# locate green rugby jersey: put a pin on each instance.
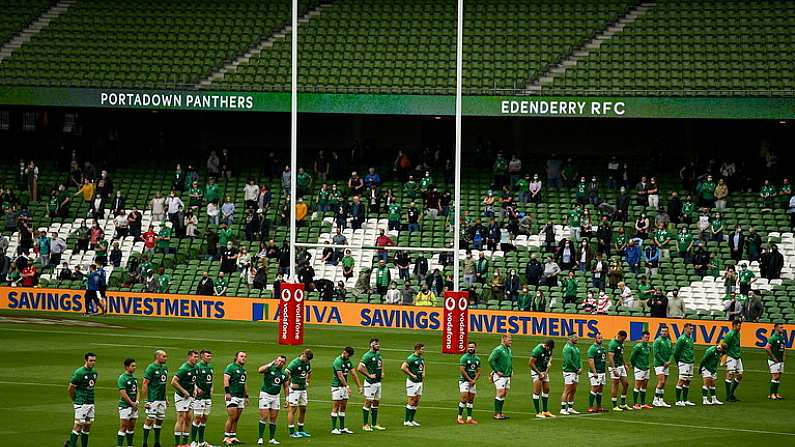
(501, 360)
(732, 341)
(128, 383)
(299, 371)
(471, 364)
(374, 364)
(157, 375)
(777, 347)
(639, 358)
(710, 360)
(598, 353)
(416, 364)
(273, 380)
(663, 351)
(617, 348)
(84, 379)
(237, 379)
(683, 350)
(205, 373)
(542, 355)
(340, 365)
(571, 358)
(186, 374)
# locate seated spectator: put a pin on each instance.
(676, 305)
(339, 292)
(525, 300)
(425, 297)
(393, 295)
(625, 297)
(539, 302)
(408, 293)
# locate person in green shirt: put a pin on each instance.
(572, 365)
(768, 195)
(639, 359)
(501, 362)
(716, 228)
(709, 373)
(525, 301)
(205, 374)
(688, 210)
(426, 183)
(581, 192)
(303, 182)
(469, 374)
(775, 349)
(394, 212)
(81, 393)
(661, 237)
(617, 367)
(784, 194)
(195, 194)
(371, 366)
(383, 277)
(341, 390)
(685, 360)
(127, 384)
(163, 280)
(572, 219)
(164, 238)
(746, 278)
(540, 358)
(414, 369)
(734, 360)
(300, 370)
(212, 193)
(707, 192)
(410, 188)
(220, 285)
(663, 356)
(184, 384)
(645, 292)
(570, 289)
(275, 379)
(597, 361)
(523, 188)
(684, 242)
(154, 391)
(235, 396)
(225, 235)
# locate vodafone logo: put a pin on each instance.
(449, 303)
(463, 303)
(299, 295)
(285, 295)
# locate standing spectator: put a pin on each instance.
(716, 228)
(393, 295)
(615, 273)
(706, 192)
(250, 193)
(566, 255)
(121, 225)
(303, 182)
(675, 208)
(403, 262)
(732, 307)
(622, 205)
(642, 226)
(633, 254)
(730, 279)
(497, 285)
(383, 241)
(355, 184)
(382, 277)
(321, 167)
(195, 196)
(134, 222)
(581, 192)
(425, 297)
(347, 265)
(775, 263)
(754, 244)
(701, 260)
(433, 204)
(525, 301)
(572, 219)
(753, 308)
(593, 192)
(539, 302)
(57, 247)
(372, 178)
(653, 193)
(44, 247)
(598, 269)
(420, 268)
(228, 211)
(569, 173)
(737, 243)
(221, 285)
(357, 213)
(164, 238)
(213, 165)
(651, 259)
(394, 213)
(768, 195)
(115, 255)
(149, 238)
(523, 188)
(413, 216)
(658, 304)
(612, 172)
(584, 256)
(535, 190)
(553, 171)
(534, 271)
(32, 174)
(179, 179)
(191, 224)
(625, 297)
(569, 286)
(481, 268)
(117, 205)
(549, 236)
(512, 284)
(158, 207)
(408, 293)
(212, 192)
(205, 286)
(213, 213)
(676, 306)
(641, 192)
(551, 272)
(721, 194)
(604, 237)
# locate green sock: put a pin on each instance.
(469, 410)
(563, 406)
(591, 399)
(120, 439)
(623, 399)
(635, 393)
(545, 402)
(300, 428)
(413, 413)
(704, 391)
(157, 434)
(728, 385)
(407, 414)
(333, 421)
(177, 438)
(735, 384)
(678, 394)
(201, 432)
(498, 404)
(341, 419)
(462, 405)
(291, 429)
(185, 438)
(614, 400)
(130, 436)
(537, 403)
(713, 391)
(73, 439)
(84, 439)
(599, 400)
(272, 430)
(261, 429)
(685, 390)
(374, 415)
(146, 433)
(643, 397)
(194, 430)
(365, 415)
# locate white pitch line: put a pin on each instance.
(131, 346)
(703, 427)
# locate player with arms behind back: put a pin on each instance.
(203, 404)
(341, 390)
(685, 360)
(235, 395)
(775, 348)
(572, 366)
(81, 393)
(663, 356)
(371, 366)
(618, 371)
(154, 390)
(469, 369)
(184, 384)
(501, 362)
(540, 358)
(639, 358)
(128, 403)
(597, 357)
(414, 369)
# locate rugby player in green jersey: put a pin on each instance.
(184, 384)
(639, 359)
(501, 362)
(685, 361)
(572, 366)
(775, 348)
(663, 356)
(341, 390)
(154, 391)
(203, 404)
(81, 393)
(275, 379)
(734, 360)
(709, 373)
(597, 361)
(300, 370)
(371, 366)
(540, 360)
(235, 396)
(414, 369)
(469, 369)
(617, 367)
(127, 385)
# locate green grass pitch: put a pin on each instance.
(40, 351)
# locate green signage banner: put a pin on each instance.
(388, 104)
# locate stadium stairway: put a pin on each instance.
(559, 69)
(257, 48)
(41, 22)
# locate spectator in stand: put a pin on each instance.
(732, 307)
(572, 219)
(569, 173)
(264, 197)
(497, 285)
(525, 301)
(633, 254)
(301, 212)
(373, 200)
(420, 268)
(303, 183)
(642, 226)
(488, 204)
(602, 304)
(468, 269)
(593, 192)
(212, 192)
(250, 193)
(340, 294)
(213, 213)
(328, 256)
(598, 268)
(408, 293)
(433, 204)
(403, 262)
(512, 284)
(653, 193)
(625, 297)
(355, 184)
(716, 228)
(205, 286)
(425, 297)
(658, 304)
(721, 194)
(551, 272)
(174, 207)
(228, 211)
(737, 243)
(164, 238)
(194, 196)
(357, 213)
(753, 244)
(481, 268)
(730, 279)
(383, 241)
(382, 277)
(411, 189)
(553, 169)
(539, 302)
(775, 263)
(221, 285)
(347, 265)
(393, 295)
(157, 206)
(523, 189)
(641, 192)
(413, 216)
(306, 275)
(191, 223)
(569, 286)
(115, 255)
(567, 256)
(584, 256)
(549, 236)
(612, 172)
(701, 260)
(87, 190)
(604, 237)
(586, 224)
(534, 271)
(149, 238)
(706, 192)
(651, 259)
(768, 195)
(753, 308)
(676, 306)
(321, 167)
(535, 190)
(372, 178)
(581, 192)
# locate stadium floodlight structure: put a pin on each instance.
(457, 178)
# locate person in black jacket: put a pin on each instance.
(402, 262)
(737, 243)
(533, 271)
(675, 208)
(775, 263)
(420, 268)
(701, 260)
(622, 205)
(604, 237)
(512, 285)
(357, 213)
(206, 286)
(658, 304)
